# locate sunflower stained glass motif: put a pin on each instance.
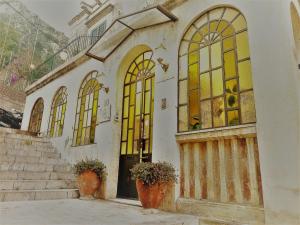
(36, 116)
(87, 109)
(57, 115)
(215, 77)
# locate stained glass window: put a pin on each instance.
(215, 77)
(57, 115)
(36, 116)
(87, 109)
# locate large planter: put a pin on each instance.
(88, 183)
(151, 196)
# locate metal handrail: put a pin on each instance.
(63, 55)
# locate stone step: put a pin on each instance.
(30, 159)
(35, 167)
(29, 152)
(19, 147)
(29, 175)
(27, 195)
(36, 184)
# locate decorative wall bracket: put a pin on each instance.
(164, 66)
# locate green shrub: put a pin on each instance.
(94, 165)
(151, 173)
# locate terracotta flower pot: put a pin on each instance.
(88, 183)
(151, 196)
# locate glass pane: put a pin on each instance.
(183, 68)
(135, 148)
(242, 45)
(229, 31)
(148, 84)
(239, 23)
(245, 75)
(183, 92)
(219, 112)
(124, 130)
(197, 37)
(230, 14)
(216, 56)
(233, 118)
(231, 93)
(132, 93)
(229, 64)
(137, 128)
(206, 121)
(147, 102)
(228, 43)
(130, 141)
(193, 57)
(194, 107)
(125, 109)
(248, 107)
(183, 119)
(204, 59)
(193, 47)
(126, 90)
(146, 126)
(193, 77)
(204, 86)
(123, 148)
(138, 104)
(131, 116)
(138, 86)
(217, 82)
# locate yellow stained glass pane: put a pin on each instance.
(229, 64)
(125, 109)
(213, 26)
(239, 23)
(193, 57)
(148, 84)
(222, 25)
(219, 112)
(123, 148)
(139, 59)
(204, 59)
(131, 116)
(138, 104)
(183, 119)
(147, 102)
(204, 86)
(193, 47)
(216, 55)
(124, 130)
(126, 90)
(193, 77)
(130, 142)
(183, 92)
(132, 93)
(146, 126)
(245, 75)
(137, 128)
(217, 82)
(204, 30)
(82, 141)
(135, 148)
(242, 45)
(190, 32)
(206, 120)
(233, 118)
(197, 37)
(231, 93)
(194, 107)
(229, 31)
(132, 67)
(141, 65)
(228, 43)
(248, 107)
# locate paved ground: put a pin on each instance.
(83, 212)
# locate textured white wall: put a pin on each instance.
(276, 84)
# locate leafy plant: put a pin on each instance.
(151, 173)
(93, 165)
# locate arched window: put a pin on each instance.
(295, 24)
(36, 116)
(57, 115)
(86, 113)
(215, 78)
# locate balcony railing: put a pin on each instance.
(63, 55)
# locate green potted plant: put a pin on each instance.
(90, 174)
(152, 180)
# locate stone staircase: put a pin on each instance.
(31, 169)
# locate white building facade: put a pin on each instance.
(209, 86)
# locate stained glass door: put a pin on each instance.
(137, 120)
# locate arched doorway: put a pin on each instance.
(137, 120)
(36, 116)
